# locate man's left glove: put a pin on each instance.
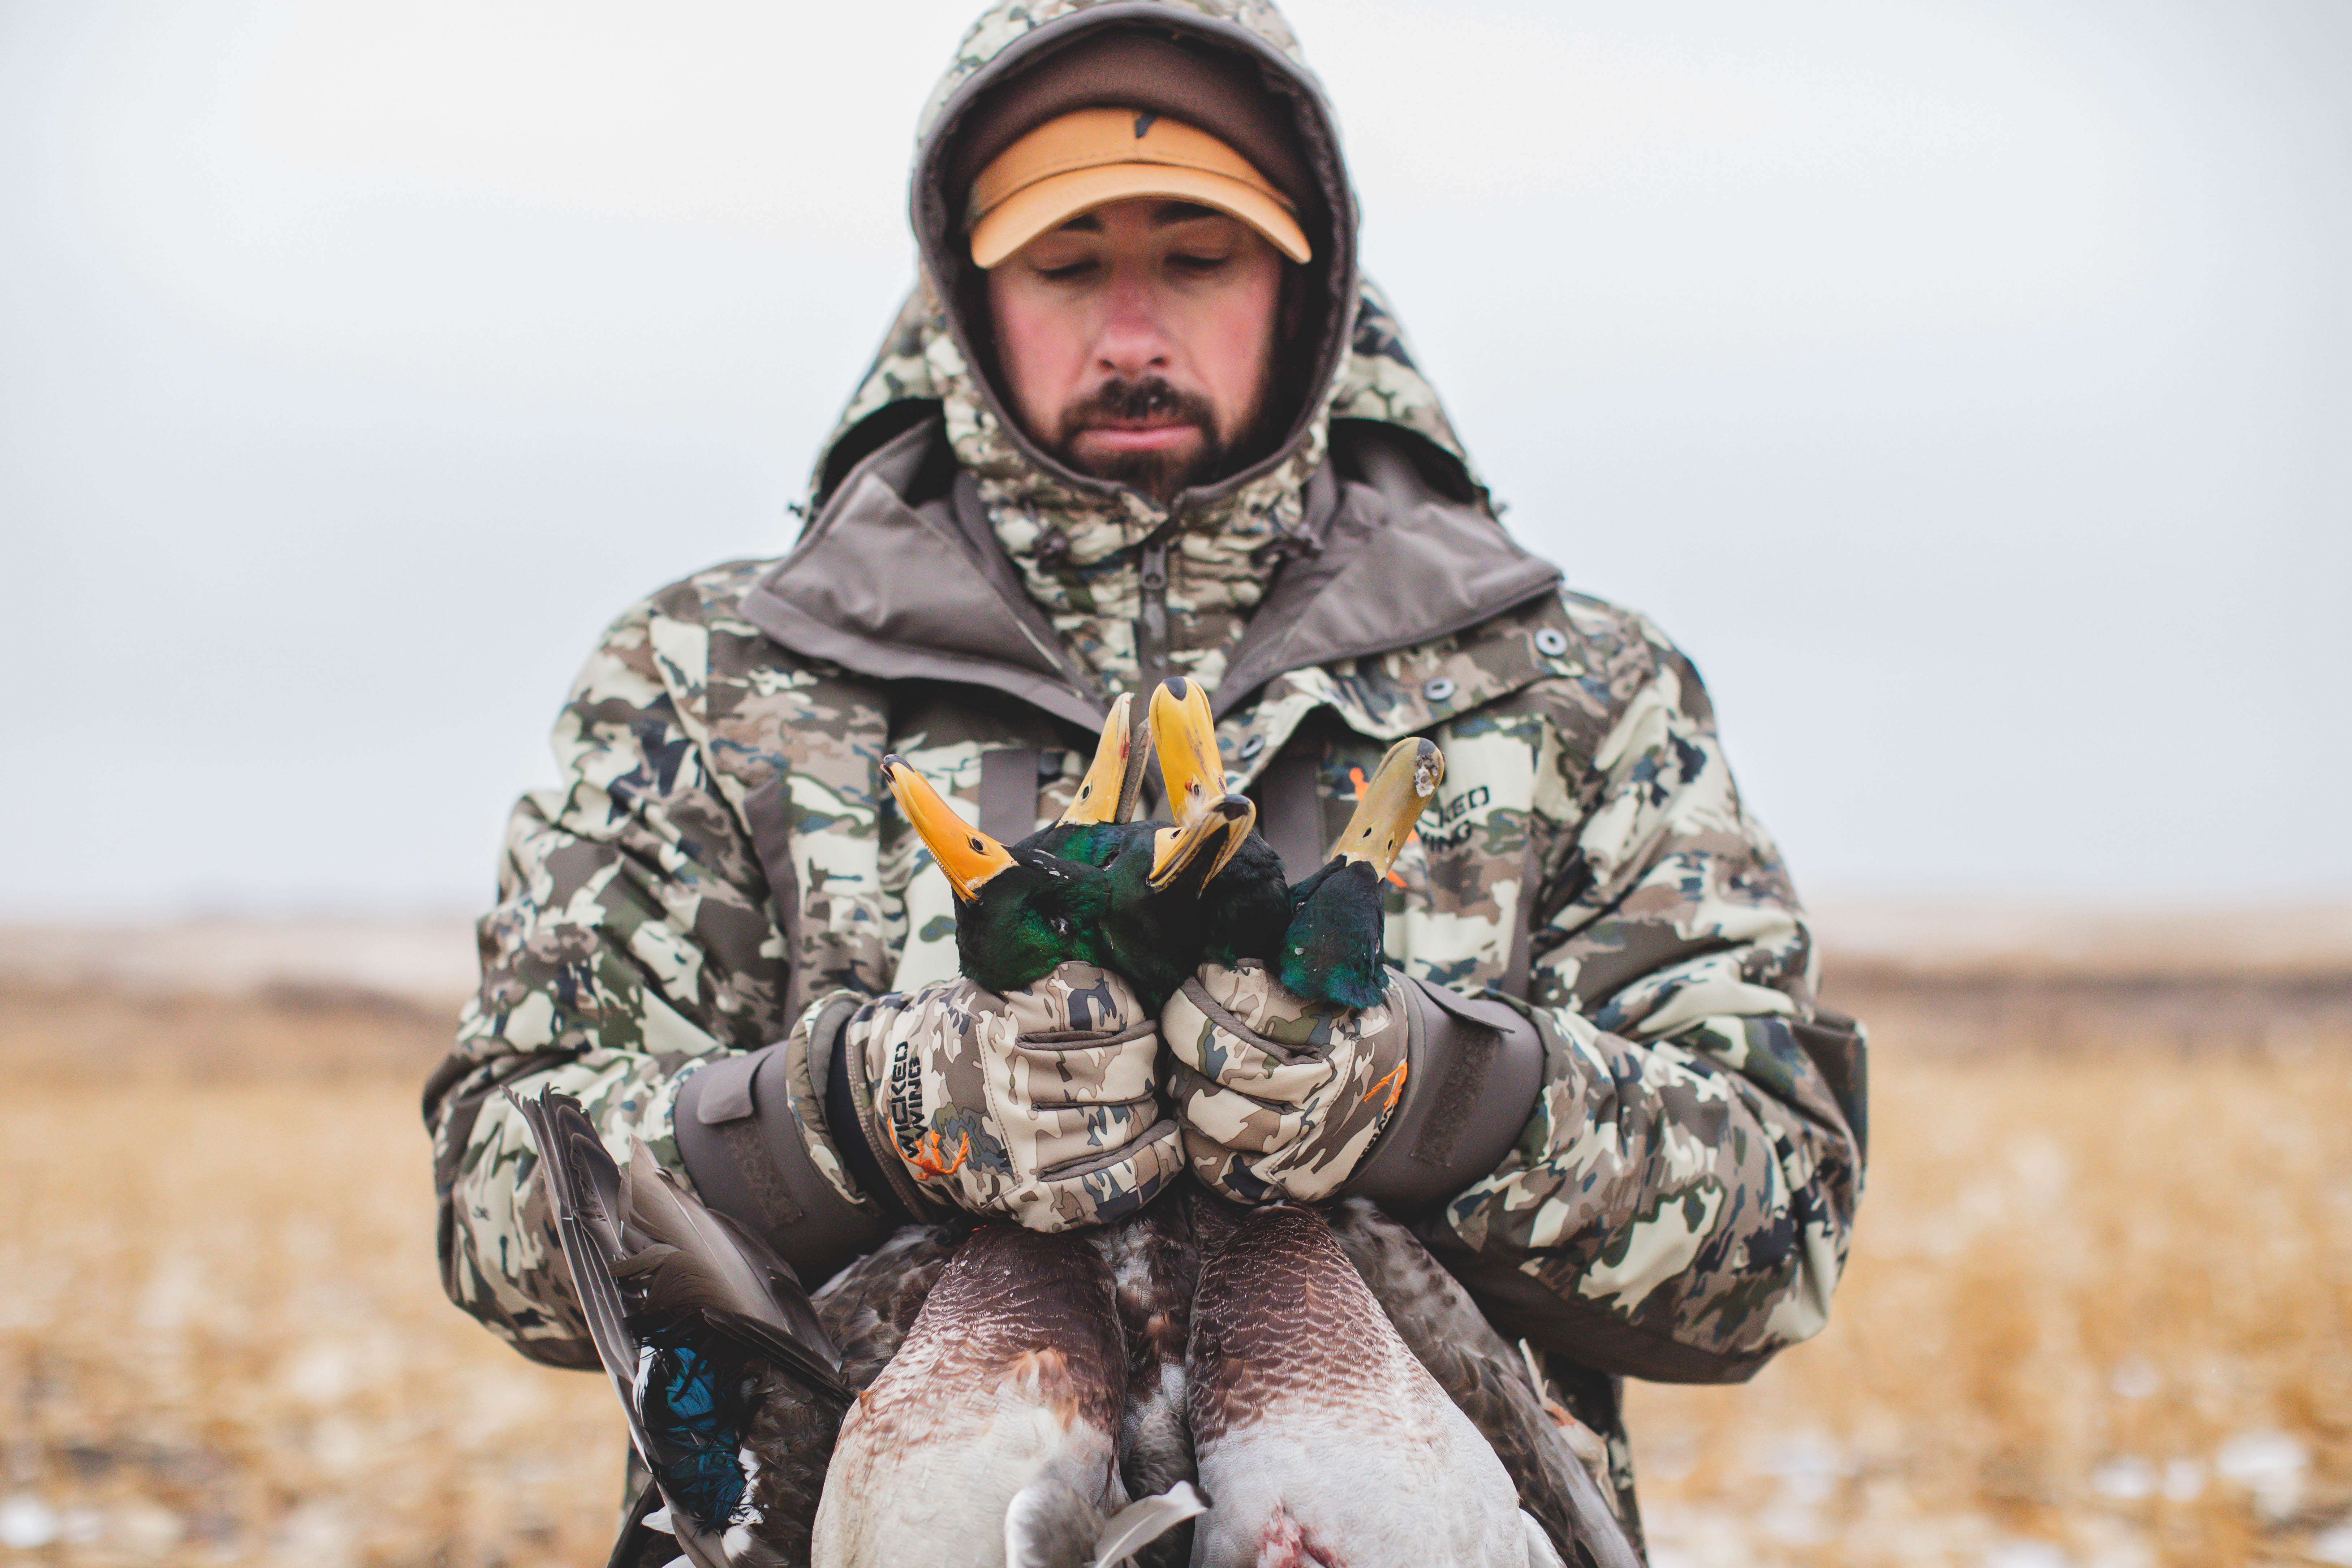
(1404, 1103)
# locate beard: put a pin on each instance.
(1161, 475)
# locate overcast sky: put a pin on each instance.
(1968, 387)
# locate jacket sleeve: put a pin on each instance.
(632, 939)
(1678, 1206)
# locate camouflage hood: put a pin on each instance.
(1115, 588)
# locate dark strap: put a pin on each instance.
(1514, 983)
(767, 813)
(1290, 809)
(1008, 792)
(1476, 1067)
(724, 1102)
(868, 1173)
(869, 1126)
(737, 1139)
(1458, 1092)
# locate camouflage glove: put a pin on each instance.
(1280, 1097)
(1038, 1105)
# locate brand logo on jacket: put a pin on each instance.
(1447, 826)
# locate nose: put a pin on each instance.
(1133, 342)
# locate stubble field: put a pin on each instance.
(2100, 1311)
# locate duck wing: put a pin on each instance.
(1489, 1382)
(685, 1258)
(583, 1184)
(728, 1383)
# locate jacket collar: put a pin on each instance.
(899, 577)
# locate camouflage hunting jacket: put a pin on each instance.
(719, 861)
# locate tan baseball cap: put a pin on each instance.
(1078, 161)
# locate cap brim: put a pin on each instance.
(1054, 201)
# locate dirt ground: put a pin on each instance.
(2100, 1310)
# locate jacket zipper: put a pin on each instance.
(1151, 623)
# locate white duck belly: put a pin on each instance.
(1011, 1381)
(1541, 1446)
(1320, 1440)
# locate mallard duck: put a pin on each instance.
(1195, 892)
(732, 1386)
(1010, 1396)
(1019, 911)
(1331, 951)
(1173, 874)
(868, 1307)
(1321, 1436)
(1098, 825)
(1236, 877)
(734, 1390)
(1154, 1264)
(1092, 886)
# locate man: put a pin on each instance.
(1143, 418)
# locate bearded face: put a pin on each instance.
(1082, 441)
(1137, 341)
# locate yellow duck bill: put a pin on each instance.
(1184, 736)
(1217, 832)
(1108, 792)
(968, 856)
(1404, 783)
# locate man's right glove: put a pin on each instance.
(875, 1110)
(1038, 1105)
(1280, 1097)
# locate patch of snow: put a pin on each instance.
(26, 1523)
(2269, 1465)
(2126, 1478)
(2027, 1554)
(2332, 1545)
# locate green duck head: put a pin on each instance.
(1153, 926)
(1213, 856)
(1332, 951)
(1019, 911)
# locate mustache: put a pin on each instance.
(1153, 397)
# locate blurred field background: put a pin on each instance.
(1964, 385)
(2100, 1313)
